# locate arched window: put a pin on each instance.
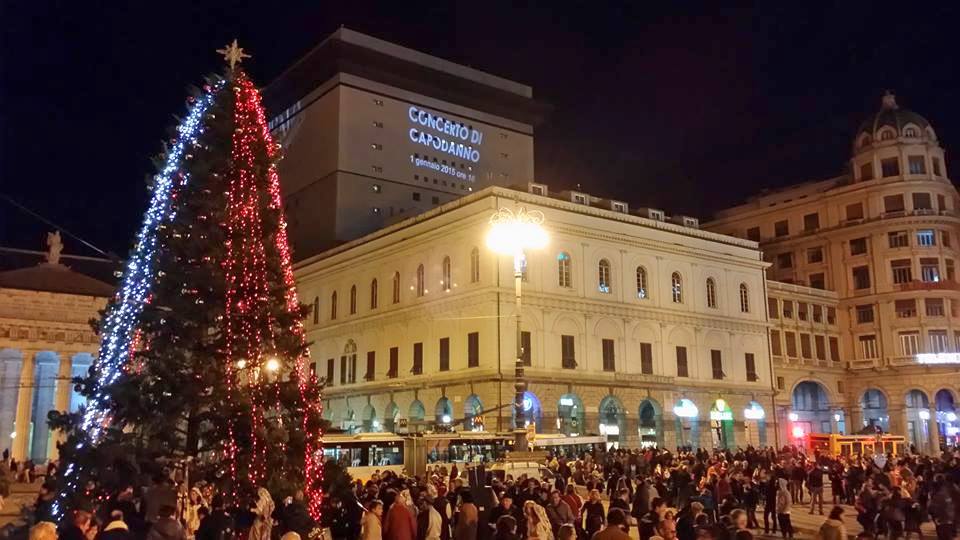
(911, 132)
(396, 287)
(603, 276)
(563, 270)
(642, 283)
(353, 300)
(446, 274)
(887, 135)
(711, 293)
(865, 141)
(474, 265)
(374, 294)
(316, 310)
(744, 298)
(676, 288)
(333, 306)
(421, 288)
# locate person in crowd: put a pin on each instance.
(372, 526)
(833, 528)
(576, 505)
(506, 508)
(815, 487)
(506, 528)
(116, 528)
(667, 529)
(650, 520)
(218, 525)
(771, 487)
(467, 518)
(594, 513)
(160, 494)
(43, 530)
(784, 503)
(400, 523)
(616, 528)
(622, 501)
(538, 524)
(80, 527)
(167, 527)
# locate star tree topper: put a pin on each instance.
(233, 54)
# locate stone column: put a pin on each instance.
(897, 419)
(934, 429)
(24, 406)
(62, 399)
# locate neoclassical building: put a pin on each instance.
(883, 238)
(640, 328)
(45, 340)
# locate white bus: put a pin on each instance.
(362, 454)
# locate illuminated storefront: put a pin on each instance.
(687, 423)
(721, 425)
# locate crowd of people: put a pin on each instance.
(603, 495)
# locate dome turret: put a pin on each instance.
(892, 123)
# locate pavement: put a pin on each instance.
(21, 494)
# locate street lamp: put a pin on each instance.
(512, 233)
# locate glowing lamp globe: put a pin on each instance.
(798, 432)
(793, 417)
(513, 232)
(273, 365)
(924, 414)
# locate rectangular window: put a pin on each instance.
(865, 314)
(902, 272)
(609, 363)
(841, 389)
(811, 222)
(820, 346)
(934, 307)
(815, 255)
(916, 165)
(922, 201)
(445, 354)
(473, 349)
(905, 309)
(858, 246)
(525, 343)
(854, 211)
(776, 348)
(951, 270)
(791, 340)
(802, 311)
(753, 233)
(773, 309)
(938, 341)
(831, 315)
(417, 359)
(893, 203)
(866, 171)
(646, 358)
(568, 355)
(941, 203)
(890, 167)
(371, 366)
(817, 281)
(930, 269)
(868, 347)
(909, 343)
(353, 368)
(751, 365)
(817, 313)
(781, 384)
(945, 238)
(394, 363)
(716, 363)
(936, 166)
(898, 239)
(343, 370)
(926, 238)
(834, 349)
(682, 362)
(781, 228)
(861, 277)
(785, 260)
(805, 346)
(313, 369)
(788, 309)
(330, 368)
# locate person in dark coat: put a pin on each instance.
(78, 527)
(219, 525)
(116, 528)
(650, 520)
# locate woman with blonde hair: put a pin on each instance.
(43, 531)
(538, 524)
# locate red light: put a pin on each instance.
(798, 432)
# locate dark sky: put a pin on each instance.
(686, 107)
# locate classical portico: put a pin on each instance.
(45, 341)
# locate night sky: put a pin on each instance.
(689, 109)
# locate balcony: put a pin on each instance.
(916, 285)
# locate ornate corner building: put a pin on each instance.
(884, 240)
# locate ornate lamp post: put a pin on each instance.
(512, 233)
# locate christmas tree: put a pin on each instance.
(203, 357)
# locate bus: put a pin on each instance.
(459, 448)
(362, 454)
(831, 444)
(570, 446)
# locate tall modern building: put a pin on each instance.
(374, 133)
(884, 238)
(635, 326)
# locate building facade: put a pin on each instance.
(374, 132)
(640, 329)
(884, 239)
(45, 341)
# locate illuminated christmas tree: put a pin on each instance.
(203, 358)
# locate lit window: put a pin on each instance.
(711, 293)
(744, 298)
(642, 283)
(887, 135)
(446, 274)
(916, 165)
(676, 288)
(926, 238)
(911, 132)
(563, 270)
(376, 146)
(930, 269)
(603, 278)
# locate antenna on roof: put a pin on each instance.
(46, 221)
